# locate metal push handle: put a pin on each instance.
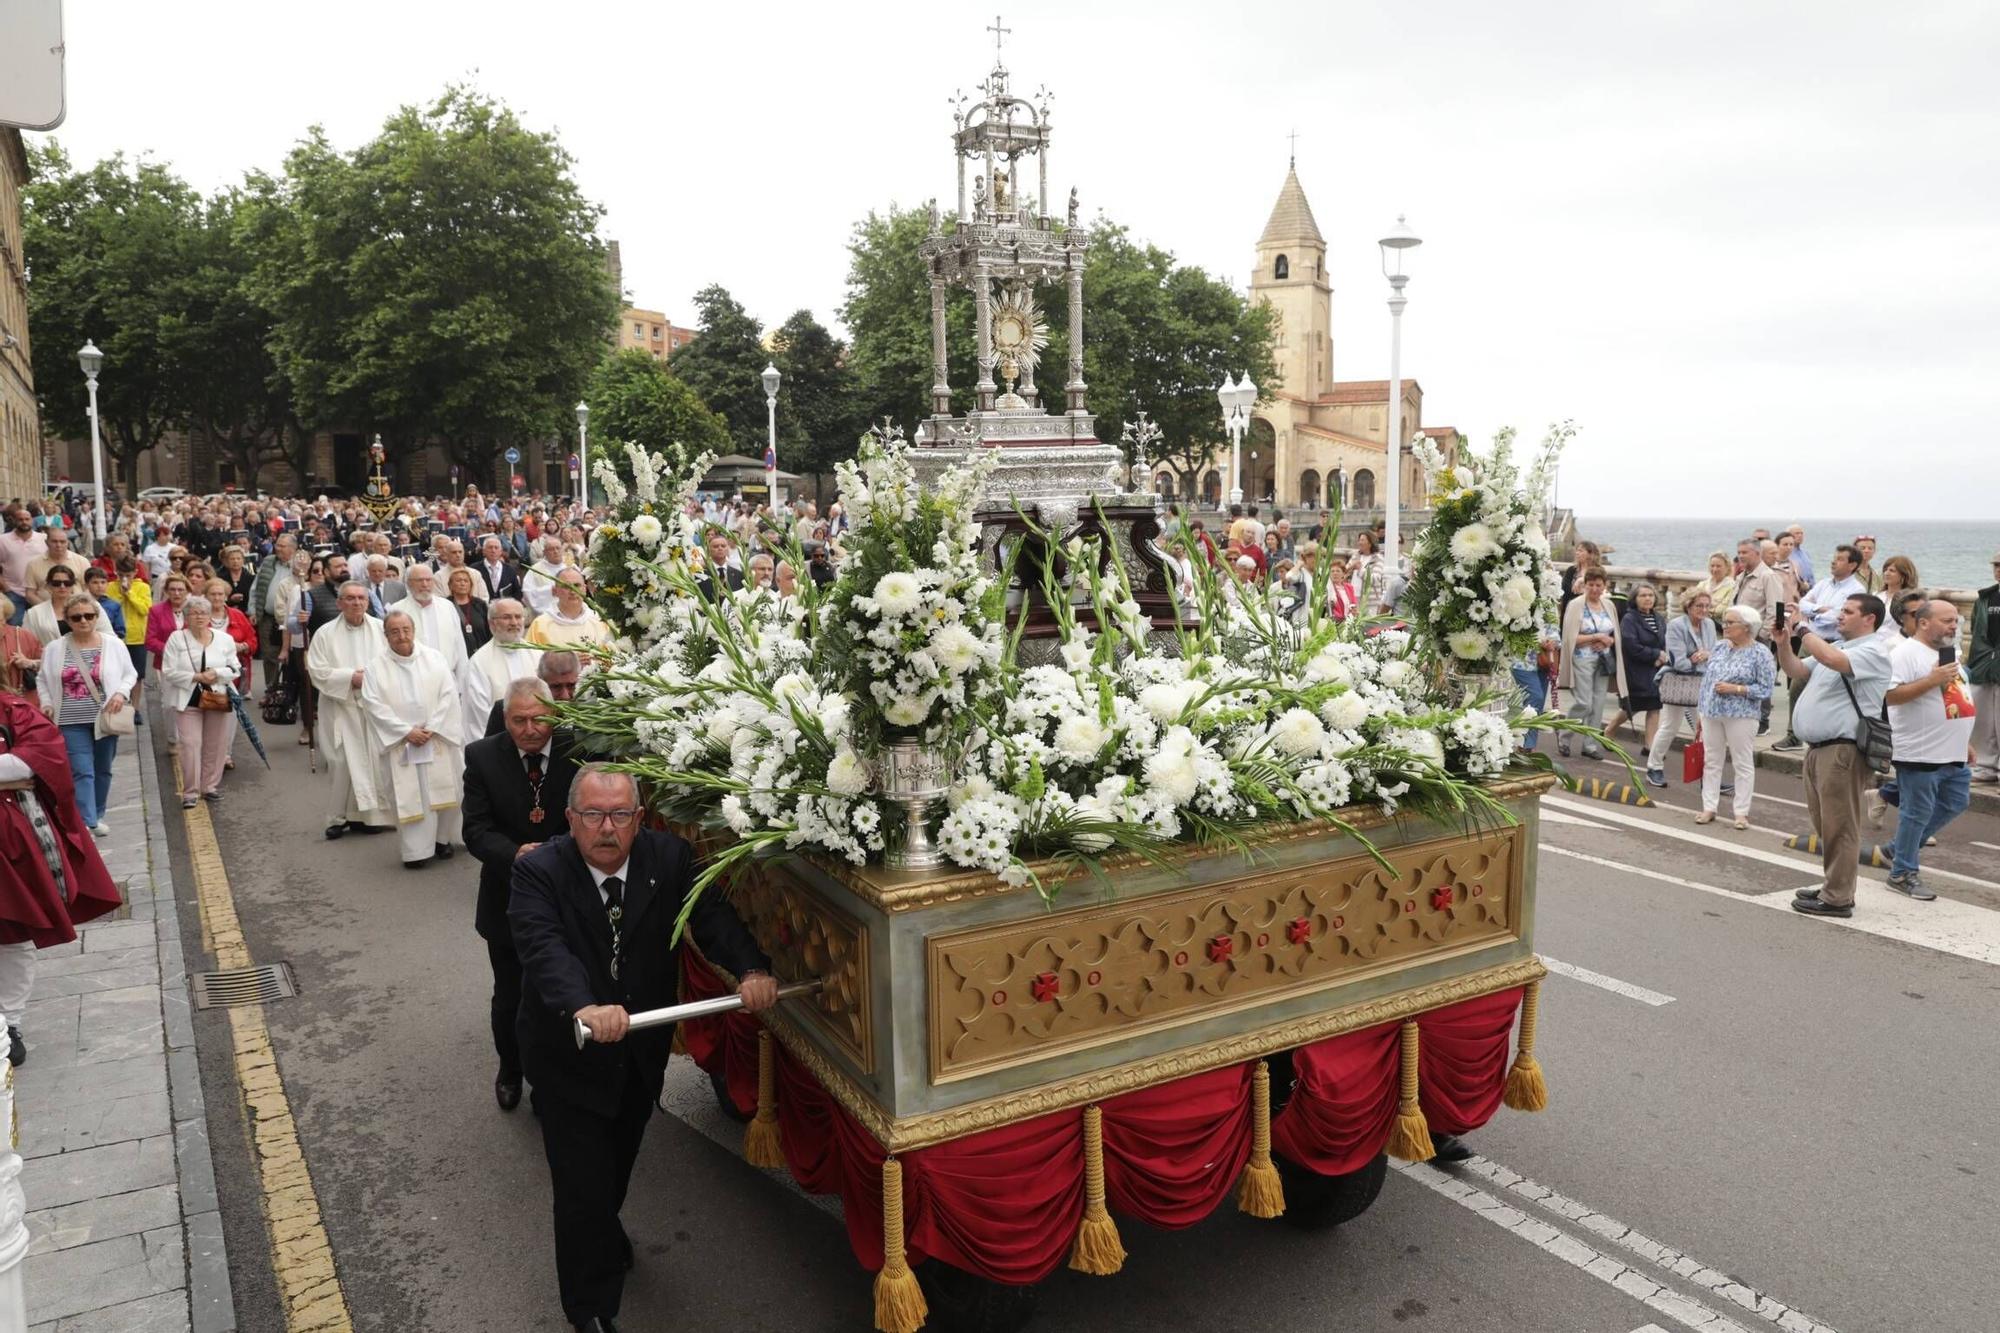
(675, 1013)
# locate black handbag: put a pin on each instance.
(1872, 736)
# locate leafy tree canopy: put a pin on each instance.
(819, 421)
(724, 365)
(635, 399)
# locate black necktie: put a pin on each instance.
(614, 908)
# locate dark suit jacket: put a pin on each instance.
(496, 803)
(564, 940)
(732, 579)
(507, 585)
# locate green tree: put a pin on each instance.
(887, 311)
(724, 365)
(444, 281)
(819, 419)
(110, 250)
(634, 399)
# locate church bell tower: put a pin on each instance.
(1291, 277)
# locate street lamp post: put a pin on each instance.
(771, 378)
(1399, 240)
(1237, 398)
(583, 455)
(91, 360)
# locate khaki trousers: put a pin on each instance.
(1835, 777)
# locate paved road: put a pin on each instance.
(1804, 1123)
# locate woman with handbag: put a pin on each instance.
(1642, 650)
(1691, 640)
(86, 683)
(198, 664)
(1738, 678)
(1592, 665)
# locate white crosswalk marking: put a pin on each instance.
(1602, 982)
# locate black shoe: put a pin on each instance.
(1813, 906)
(1764, 727)
(418, 865)
(507, 1090)
(444, 851)
(17, 1046)
(335, 831)
(359, 826)
(1450, 1148)
(1803, 894)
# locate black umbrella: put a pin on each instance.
(237, 702)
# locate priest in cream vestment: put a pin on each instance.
(497, 664)
(338, 660)
(413, 707)
(436, 619)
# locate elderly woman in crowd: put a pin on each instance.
(238, 575)
(1735, 682)
(198, 664)
(1691, 640)
(1592, 663)
(87, 673)
(462, 586)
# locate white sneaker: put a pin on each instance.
(100, 828)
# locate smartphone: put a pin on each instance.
(1948, 654)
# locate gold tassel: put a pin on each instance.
(1410, 1137)
(761, 1144)
(899, 1301)
(1098, 1250)
(1526, 1089)
(1261, 1191)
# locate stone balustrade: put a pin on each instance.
(1672, 583)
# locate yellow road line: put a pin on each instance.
(301, 1256)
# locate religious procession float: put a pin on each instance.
(1122, 889)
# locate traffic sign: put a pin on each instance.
(512, 456)
(520, 482)
(575, 465)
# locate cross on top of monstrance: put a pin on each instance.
(999, 34)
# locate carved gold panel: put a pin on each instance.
(807, 939)
(1007, 994)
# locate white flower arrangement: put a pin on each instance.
(764, 715)
(1480, 583)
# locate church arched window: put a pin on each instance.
(1211, 489)
(1164, 485)
(1282, 269)
(1364, 489)
(1309, 488)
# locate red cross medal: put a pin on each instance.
(535, 815)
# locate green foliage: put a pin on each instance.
(888, 313)
(110, 249)
(444, 280)
(724, 365)
(634, 399)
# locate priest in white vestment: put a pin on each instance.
(414, 709)
(338, 661)
(497, 664)
(436, 619)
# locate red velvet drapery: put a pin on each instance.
(1006, 1203)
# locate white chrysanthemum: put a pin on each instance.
(1167, 700)
(1344, 712)
(645, 530)
(1329, 667)
(955, 648)
(1469, 644)
(1298, 733)
(847, 774)
(1079, 736)
(1473, 543)
(897, 594)
(908, 710)
(1514, 600)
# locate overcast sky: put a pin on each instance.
(1753, 249)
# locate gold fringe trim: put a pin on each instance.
(1098, 1250)
(1526, 1088)
(761, 1143)
(1410, 1137)
(1261, 1191)
(899, 1301)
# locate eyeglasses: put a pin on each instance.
(616, 818)
(86, 617)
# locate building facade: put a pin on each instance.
(1314, 439)
(651, 332)
(20, 419)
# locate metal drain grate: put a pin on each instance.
(244, 985)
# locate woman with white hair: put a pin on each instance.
(1734, 684)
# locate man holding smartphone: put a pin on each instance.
(1931, 715)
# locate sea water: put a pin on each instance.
(1947, 554)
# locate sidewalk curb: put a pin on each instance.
(212, 1303)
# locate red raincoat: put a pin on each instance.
(31, 906)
